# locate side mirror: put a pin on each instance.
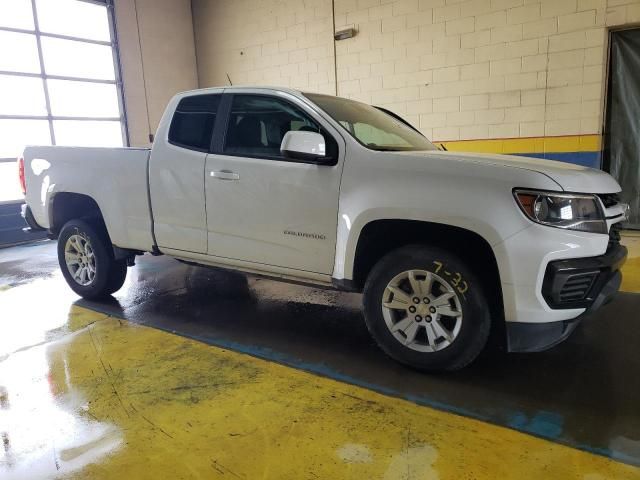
(304, 146)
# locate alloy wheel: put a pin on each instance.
(422, 310)
(80, 259)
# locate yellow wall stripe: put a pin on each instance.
(563, 144)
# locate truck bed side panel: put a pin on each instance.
(116, 178)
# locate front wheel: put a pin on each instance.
(86, 260)
(425, 308)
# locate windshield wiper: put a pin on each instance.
(383, 148)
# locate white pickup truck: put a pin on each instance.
(336, 193)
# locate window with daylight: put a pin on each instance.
(59, 80)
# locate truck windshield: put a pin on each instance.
(371, 127)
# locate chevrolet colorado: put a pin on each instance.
(327, 191)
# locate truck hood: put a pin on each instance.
(570, 177)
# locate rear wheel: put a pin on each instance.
(426, 309)
(86, 259)
(117, 276)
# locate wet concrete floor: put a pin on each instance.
(583, 393)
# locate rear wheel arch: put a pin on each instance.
(86, 260)
(65, 206)
(379, 237)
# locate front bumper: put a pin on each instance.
(579, 283)
(569, 284)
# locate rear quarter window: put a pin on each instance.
(193, 121)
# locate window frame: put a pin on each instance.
(216, 123)
(220, 135)
(117, 81)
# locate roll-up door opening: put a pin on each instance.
(622, 127)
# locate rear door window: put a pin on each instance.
(193, 122)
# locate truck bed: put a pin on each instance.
(115, 178)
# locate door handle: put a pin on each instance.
(225, 175)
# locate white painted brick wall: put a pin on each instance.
(458, 69)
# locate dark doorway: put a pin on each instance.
(622, 129)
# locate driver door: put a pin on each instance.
(262, 207)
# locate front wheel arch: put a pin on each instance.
(379, 237)
(459, 310)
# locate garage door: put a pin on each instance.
(622, 152)
(59, 85)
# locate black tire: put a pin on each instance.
(475, 322)
(109, 273)
(117, 276)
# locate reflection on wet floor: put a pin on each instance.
(110, 399)
(82, 375)
(42, 427)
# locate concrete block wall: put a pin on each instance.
(482, 69)
(265, 42)
(459, 70)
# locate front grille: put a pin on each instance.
(609, 199)
(614, 236)
(577, 287)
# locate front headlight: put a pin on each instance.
(563, 210)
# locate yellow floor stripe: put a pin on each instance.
(631, 269)
(119, 400)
